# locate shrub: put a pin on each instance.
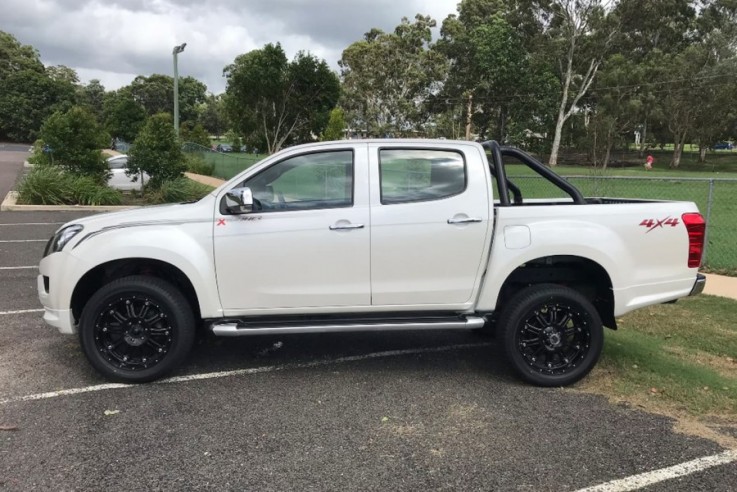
(75, 140)
(86, 191)
(156, 151)
(197, 164)
(38, 157)
(50, 185)
(177, 191)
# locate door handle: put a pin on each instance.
(467, 220)
(342, 227)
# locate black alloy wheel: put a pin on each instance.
(552, 335)
(137, 329)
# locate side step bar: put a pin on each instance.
(239, 328)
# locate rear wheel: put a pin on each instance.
(552, 335)
(136, 329)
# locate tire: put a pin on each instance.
(552, 335)
(136, 329)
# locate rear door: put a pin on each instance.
(430, 224)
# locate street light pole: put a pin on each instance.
(175, 52)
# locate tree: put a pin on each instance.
(270, 98)
(92, 96)
(27, 98)
(75, 140)
(491, 48)
(336, 126)
(28, 94)
(16, 57)
(156, 95)
(62, 73)
(123, 116)
(190, 131)
(616, 103)
(212, 115)
(389, 78)
(157, 152)
(580, 28)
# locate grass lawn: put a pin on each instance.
(678, 359)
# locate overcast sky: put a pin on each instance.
(116, 40)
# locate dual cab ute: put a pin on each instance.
(373, 235)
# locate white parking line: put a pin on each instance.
(33, 223)
(24, 240)
(649, 478)
(242, 372)
(19, 268)
(22, 311)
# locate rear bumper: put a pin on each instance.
(698, 286)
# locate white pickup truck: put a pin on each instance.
(370, 235)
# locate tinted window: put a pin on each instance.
(320, 180)
(412, 175)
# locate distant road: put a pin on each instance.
(11, 165)
(14, 147)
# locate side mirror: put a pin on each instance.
(239, 201)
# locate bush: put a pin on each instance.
(156, 151)
(178, 191)
(197, 164)
(50, 185)
(75, 140)
(38, 157)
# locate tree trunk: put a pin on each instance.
(677, 152)
(553, 161)
(643, 138)
(468, 117)
(502, 124)
(702, 154)
(609, 145)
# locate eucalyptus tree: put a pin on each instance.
(389, 78)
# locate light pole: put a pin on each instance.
(175, 52)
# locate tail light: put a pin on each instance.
(696, 227)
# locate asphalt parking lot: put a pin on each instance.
(432, 411)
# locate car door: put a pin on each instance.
(430, 220)
(305, 246)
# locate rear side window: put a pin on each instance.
(119, 163)
(416, 175)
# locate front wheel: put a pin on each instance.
(552, 335)
(136, 329)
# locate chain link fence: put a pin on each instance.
(715, 197)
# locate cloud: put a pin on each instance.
(116, 40)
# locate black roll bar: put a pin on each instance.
(497, 152)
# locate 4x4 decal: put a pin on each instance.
(655, 223)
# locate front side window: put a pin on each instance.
(414, 175)
(311, 181)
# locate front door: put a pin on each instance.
(305, 244)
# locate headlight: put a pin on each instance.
(61, 238)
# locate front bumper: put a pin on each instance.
(698, 286)
(61, 319)
(55, 284)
